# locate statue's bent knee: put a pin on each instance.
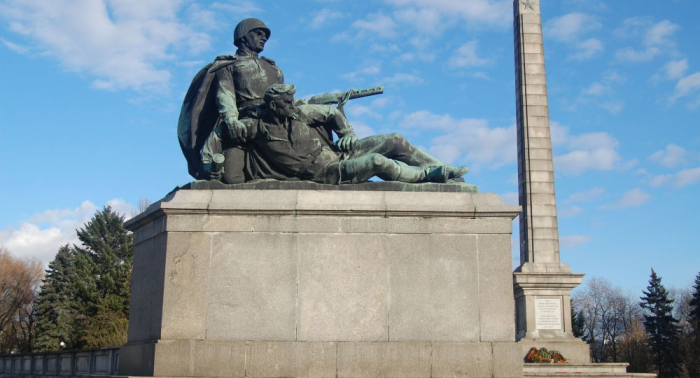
(377, 160)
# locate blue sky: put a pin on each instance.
(91, 92)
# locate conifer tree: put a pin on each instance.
(692, 363)
(661, 327)
(695, 303)
(85, 298)
(108, 248)
(578, 322)
(56, 307)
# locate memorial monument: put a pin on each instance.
(542, 282)
(282, 260)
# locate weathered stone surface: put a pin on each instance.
(496, 310)
(146, 305)
(395, 359)
(219, 359)
(508, 361)
(312, 360)
(343, 288)
(434, 296)
(173, 358)
(473, 360)
(252, 287)
(185, 293)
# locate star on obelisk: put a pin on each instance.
(528, 4)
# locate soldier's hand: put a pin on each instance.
(347, 143)
(237, 131)
(216, 176)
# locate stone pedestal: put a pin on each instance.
(543, 311)
(306, 283)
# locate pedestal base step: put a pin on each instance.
(581, 370)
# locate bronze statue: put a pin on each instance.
(297, 142)
(224, 91)
(239, 122)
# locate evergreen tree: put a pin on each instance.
(692, 363)
(85, 298)
(56, 306)
(108, 248)
(578, 323)
(695, 304)
(661, 327)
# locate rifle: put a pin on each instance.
(340, 98)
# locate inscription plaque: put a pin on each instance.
(548, 313)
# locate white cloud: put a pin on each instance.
(597, 5)
(679, 180)
(671, 156)
(388, 48)
(511, 198)
(632, 198)
(570, 27)
(15, 47)
(660, 180)
(629, 54)
(579, 161)
(495, 12)
(239, 7)
(573, 241)
(467, 140)
(368, 69)
(466, 56)
(355, 110)
(379, 25)
(570, 211)
(362, 130)
(656, 39)
(613, 106)
(686, 86)
(675, 69)
(587, 49)
(590, 141)
(585, 196)
(590, 151)
(596, 89)
(425, 20)
(660, 34)
(403, 78)
(602, 93)
(323, 17)
(121, 43)
(630, 27)
(687, 177)
(44, 233)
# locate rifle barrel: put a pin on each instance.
(334, 98)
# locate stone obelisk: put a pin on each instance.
(542, 283)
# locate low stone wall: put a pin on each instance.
(77, 363)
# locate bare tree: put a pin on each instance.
(608, 315)
(19, 281)
(144, 203)
(634, 347)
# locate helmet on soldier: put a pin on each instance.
(246, 26)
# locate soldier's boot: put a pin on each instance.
(436, 174)
(455, 171)
(399, 171)
(406, 173)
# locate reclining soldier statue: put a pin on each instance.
(296, 143)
